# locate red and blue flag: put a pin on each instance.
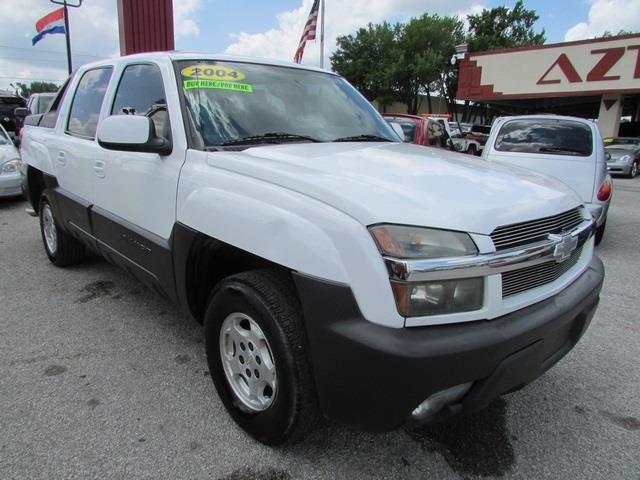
(50, 23)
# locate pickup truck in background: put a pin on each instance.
(8, 119)
(336, 271)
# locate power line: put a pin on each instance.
(37, 60)
(35, 79)
(52, 51)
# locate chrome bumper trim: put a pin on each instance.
(554, 248)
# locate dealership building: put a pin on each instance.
(597, 78)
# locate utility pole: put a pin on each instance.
(67, 34)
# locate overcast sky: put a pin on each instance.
(263, 28)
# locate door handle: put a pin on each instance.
(98, 167)
(62, 159)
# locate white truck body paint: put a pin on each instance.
(305, 206)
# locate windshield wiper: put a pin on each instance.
(363, 138)
(270, 137)
(561, 150)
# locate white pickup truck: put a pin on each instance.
(337, 271)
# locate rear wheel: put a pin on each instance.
(62, 249)
(257, 354)
(472, 150)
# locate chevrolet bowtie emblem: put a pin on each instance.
(565, 245)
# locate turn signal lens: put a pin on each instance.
(438, 297)
(605, 191)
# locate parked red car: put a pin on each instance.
(419, 130)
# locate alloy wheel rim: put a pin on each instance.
(49, 228)
(248, 363)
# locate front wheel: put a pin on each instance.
(471, 150)
(634, 169)
(258, 356)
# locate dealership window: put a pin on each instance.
(545, 136)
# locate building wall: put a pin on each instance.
(438, 104)
(145, 26)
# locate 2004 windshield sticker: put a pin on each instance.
(215, 76)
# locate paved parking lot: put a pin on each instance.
(101, 379)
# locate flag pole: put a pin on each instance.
(67, 36)
(322, 35)
(65, 4)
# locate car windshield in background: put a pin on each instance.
(242, 103)
(545, 136)
(43, 104)
(626, 143)
(408, 127)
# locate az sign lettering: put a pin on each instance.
(609, 57)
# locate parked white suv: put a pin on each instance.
(569, 149)
(336, 270)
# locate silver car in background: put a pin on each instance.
(10, 177)
(569, 149)
(623, 155)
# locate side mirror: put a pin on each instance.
(131, 133)
(20, 112)
(398, 129)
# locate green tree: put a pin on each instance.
(36, 87)
(502, 27)
(426, 44)
(363, 59)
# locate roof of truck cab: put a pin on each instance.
(179, 55)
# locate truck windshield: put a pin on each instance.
(242, 103)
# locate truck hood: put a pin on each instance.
(404, 184)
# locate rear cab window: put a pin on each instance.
(87, 102)
(545, 136)
(50, 118)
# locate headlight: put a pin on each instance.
(417, 242)
(433, 297)
(438, 297)
(625, 159)
(12, 166)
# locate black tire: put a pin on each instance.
(600, 232)
(471, 150)
(67, 250)
(268, 297)
(634, 169)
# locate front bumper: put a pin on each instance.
(618, 168)
(11, 185)
(374, 377)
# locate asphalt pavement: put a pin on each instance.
(99, 378)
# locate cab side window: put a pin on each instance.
(85, 109)
(141, 92)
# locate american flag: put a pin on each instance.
(309, 32)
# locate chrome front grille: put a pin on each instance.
(518, 281)
(518, 234)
